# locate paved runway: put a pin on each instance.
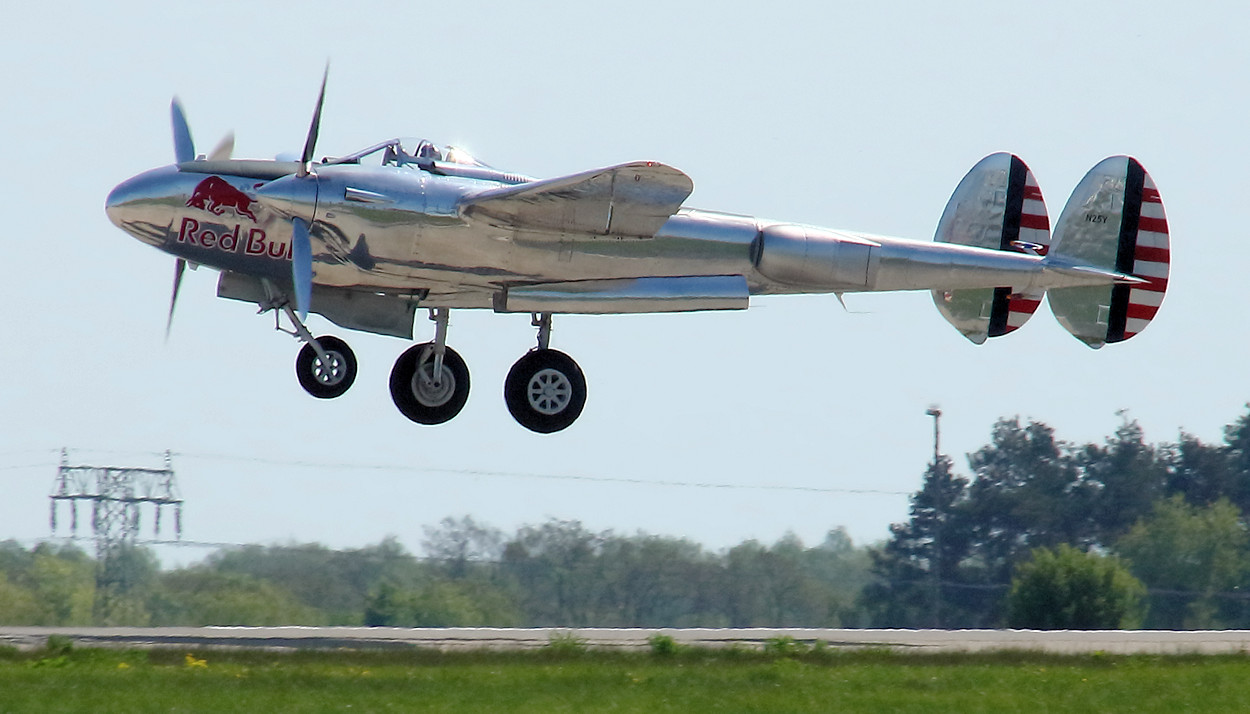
(1068, 642)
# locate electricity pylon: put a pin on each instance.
(115, 495)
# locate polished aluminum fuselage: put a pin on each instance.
(400, 230)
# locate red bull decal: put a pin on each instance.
(253, 243)
(215, 195)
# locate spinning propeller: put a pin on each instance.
(184, 150)
(296, 196)
(291, 195)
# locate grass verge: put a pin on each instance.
(565, 678)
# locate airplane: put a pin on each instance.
(369, 238)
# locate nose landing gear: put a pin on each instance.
(327, 373)
(325, 366)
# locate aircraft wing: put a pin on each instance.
(630, 200)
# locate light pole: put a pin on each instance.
(936, 413)
(935, 562)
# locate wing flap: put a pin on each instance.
(618, 296)
(630, 201)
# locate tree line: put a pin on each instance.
(1041, 532)
(1169, 516)
(553, 573)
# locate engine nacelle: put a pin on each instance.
(816, 258)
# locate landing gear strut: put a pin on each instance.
(430, 381)
(325, 366)
(545, 390)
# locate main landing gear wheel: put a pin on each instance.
(424, 397)
(329, 377)
(545, 391)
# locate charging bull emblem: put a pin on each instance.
(214, 195)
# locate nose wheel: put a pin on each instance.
(545, 391)
(329, 374)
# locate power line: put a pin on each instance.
(529, 475)
(155, 542)
(489, 473)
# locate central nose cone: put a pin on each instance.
(144, 205)
(120, 203)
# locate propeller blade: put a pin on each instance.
(179, 268)
(310, 144)
(224, 148)
(184, 147)
(301, 266)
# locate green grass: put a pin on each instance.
(566, 679)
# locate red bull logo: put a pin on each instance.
(214, 195)
(253, 242)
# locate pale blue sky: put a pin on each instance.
(863, 116)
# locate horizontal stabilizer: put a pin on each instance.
(998, 206)
(1114, 222)
(631, 201)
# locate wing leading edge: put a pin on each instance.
(629, 201)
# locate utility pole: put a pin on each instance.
(936, 413)
(935, 562)
(115, 495)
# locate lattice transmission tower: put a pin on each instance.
(115, 495)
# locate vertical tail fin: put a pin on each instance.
(999, 206)
(1115, 221)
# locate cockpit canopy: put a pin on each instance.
(425, 155)
(405, 151)
(416, 150)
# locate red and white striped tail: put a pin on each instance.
(1034, 238)
(1115, 221)
(1151, 258)
(999, 206)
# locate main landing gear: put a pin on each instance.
(430, 382)
(545, 390)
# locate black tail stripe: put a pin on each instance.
(1125, 258)
(1012, 210)
(999, 312)
(1015, 203)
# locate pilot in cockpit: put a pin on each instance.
(390, 157)
(429, 151)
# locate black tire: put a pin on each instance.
(326, 381)
(545, 391)
(419, 399)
